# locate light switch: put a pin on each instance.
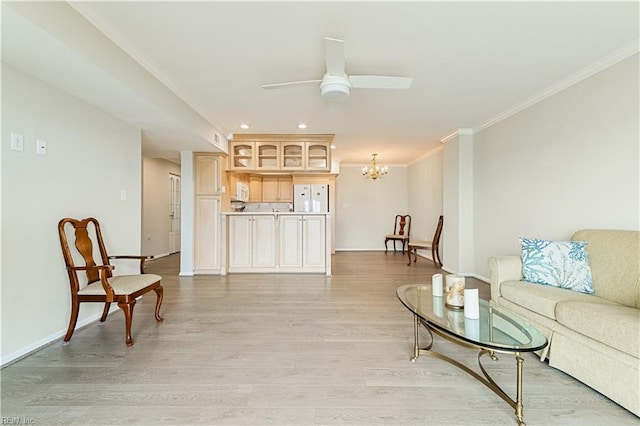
(17, 142)
(41, 147)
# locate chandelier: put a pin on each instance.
(374, 171)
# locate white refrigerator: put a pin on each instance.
(311, 198)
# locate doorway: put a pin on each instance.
(174, 213)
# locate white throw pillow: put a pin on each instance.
(563, 264)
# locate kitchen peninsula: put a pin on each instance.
(276, 242)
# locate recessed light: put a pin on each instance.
(302, 126)
(333, 147)
(244, 126)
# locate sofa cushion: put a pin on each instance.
(614, 256)
(543, 299)
(562, 264)
(614, 325)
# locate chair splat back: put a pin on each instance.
(84, 245)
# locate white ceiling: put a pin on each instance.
(471, 62)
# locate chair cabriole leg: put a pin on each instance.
(105, 312)
(127, 308)
(159, 292)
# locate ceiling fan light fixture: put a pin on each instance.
(334, 88)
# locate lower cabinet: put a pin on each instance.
(302, 243)
(252, 243)
(278, 243)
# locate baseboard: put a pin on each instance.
(46, 341)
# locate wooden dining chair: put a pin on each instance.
(401, 232)
(433, 245)
(101, 286)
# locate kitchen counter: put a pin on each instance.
(276, 242)
(272, 213)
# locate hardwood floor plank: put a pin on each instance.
(279, 349)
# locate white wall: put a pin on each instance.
(566, 163)
(156, 199)
(365, 209)
(91, 157)
(424, 183)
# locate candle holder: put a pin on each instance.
(454, 297)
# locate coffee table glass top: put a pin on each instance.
(496, 328)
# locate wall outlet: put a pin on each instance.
(17, 142)
(41, 147)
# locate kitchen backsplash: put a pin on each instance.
(268, 207)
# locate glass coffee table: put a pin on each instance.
(497, 330)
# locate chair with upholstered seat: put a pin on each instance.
(401, 232)
(433, 245)
(100, 285)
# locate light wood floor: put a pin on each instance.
(282, 350)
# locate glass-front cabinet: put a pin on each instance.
(242, 155)
(317, 156)
(268, 155)
(292, 156)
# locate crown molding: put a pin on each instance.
(598, 66)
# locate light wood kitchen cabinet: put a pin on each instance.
(317, 156)
(277, 189)
(252, 243)
(243, 156)
(267, 155)
(302, 243)
(292, 156)
(274, 152)
(208, 174)
(207, 208)
(255, 189)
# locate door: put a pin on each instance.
(174, 213)
(264, 242)
(314, 242)
(290, 242)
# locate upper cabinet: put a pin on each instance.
(208, 173)
(243, 156)
(317, 155)
(267, 155)
(292, 156)
(258, 153)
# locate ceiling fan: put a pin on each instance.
(336, 85)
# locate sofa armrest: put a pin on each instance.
(504, 268)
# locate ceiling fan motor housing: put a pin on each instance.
(335, 88)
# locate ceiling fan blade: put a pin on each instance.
(334, 56)
(379, 82)
(290, 83)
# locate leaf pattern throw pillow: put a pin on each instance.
(563, 264)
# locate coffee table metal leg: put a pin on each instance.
(519, 407)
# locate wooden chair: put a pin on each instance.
(101, 286)
(434, 245)
(401, 232)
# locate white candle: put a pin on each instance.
(471, 303)
(436, 284)
(472, 328)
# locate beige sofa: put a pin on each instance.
(594, 338)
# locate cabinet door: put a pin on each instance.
(206, 248)
(285, 190)
(269, 189)
(292, 155)
(255, 189)
(267, 156)
(318, 156)
(264, 241)
(314, 241)
(207, 174)
(240, 231)
(242, 155)
(290, 242)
